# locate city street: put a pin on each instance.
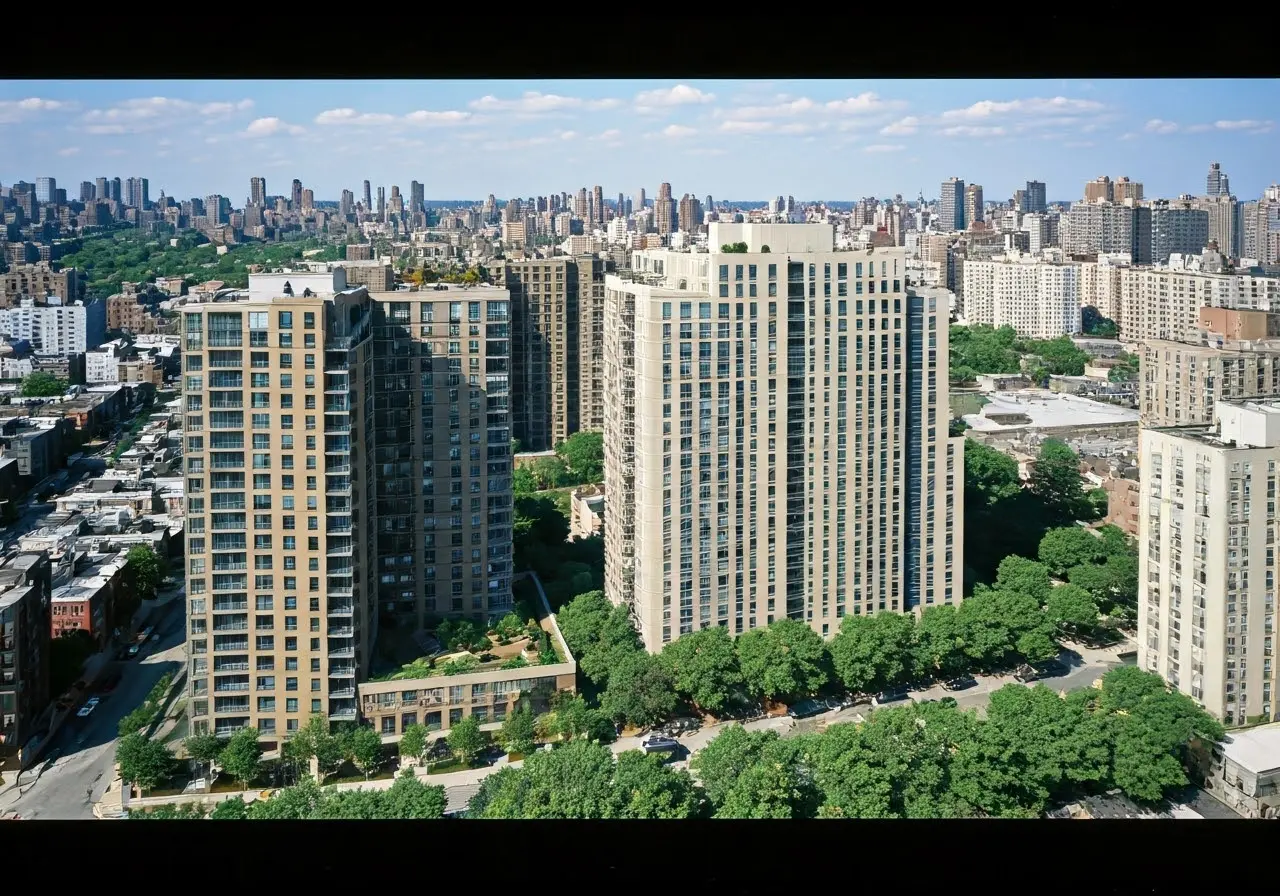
(77, 766)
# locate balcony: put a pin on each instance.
(336, 527)
(342, 608)
(219, 666)
(240, 645)
(230, 728)
(343, 653)
(342, 632)
(347, 714)
(231, 627)
(342, 670)
(230, 606)
(230, 687)
(343, 694)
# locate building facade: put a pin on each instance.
(1206, 592)
(1039, 299)
(25, 630)
(775, 436)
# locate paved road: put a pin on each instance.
(78, 764)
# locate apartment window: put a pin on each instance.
(285, 320)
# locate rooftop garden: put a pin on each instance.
(467, 646)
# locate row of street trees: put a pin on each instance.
(1034, 749)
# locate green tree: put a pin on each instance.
(583, 456)
(640, 691)
(1024, 576)
(523, 482)
(704, 667)
(548, 472)
(39, 384)
(539, 532)
(873, 652)
(1061, 357)
(241, 758)
(409, 798)
(1092, 578)
(233, 809)
(785, 660)
(573, 718)
(939, 645)
(990, 475)
(1115, 541)
(582, 620)
(1068, 546)
(721, 762)
(616, 642)
(466, 739)
(315, 741)
(143, 762)
(645, 788)
(982, 349)
(143, 571)
(365, 745)
(1057, 482)
(1072, 607)
(413, 742)
(518, 735)
(204, 749)
(999, 626)
(294, 803)
(574, 781)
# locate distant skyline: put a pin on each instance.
(827, 139)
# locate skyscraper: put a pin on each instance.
(1034, 198)
(258, 191)
(46, 189)
(87, 192)
(1217, 183)
(115, 189)
(382, 203)
(296, 195)
(417, 197)
(791, 464)
(951, 205)
(102, 189)
(597, 200)
(664, 210)
(640, 200)
(973, 204)
(368, 198)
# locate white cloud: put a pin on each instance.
(863, 104)
(780, 109)
(567, 135)
(1253, 126)
(903, 127)
(68, 151)
(271, 126)
(1129, 136)
(12, 111)
(1035, 106)
(534, 103)
(680, 95)
(611, 134)
(1160, 126)
(677, 131)
(967, 130)
(426, 117)
(353, 118)
(884, 147)
(152, 113)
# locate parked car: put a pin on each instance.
(806, 708)
(133, 650)
(1052, 669)
(1026, 674)
(676, 727)
(963, 683)
(666, 746)
(893, 695)
(89, 706)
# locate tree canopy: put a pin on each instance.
(39, 384)
(982, 349)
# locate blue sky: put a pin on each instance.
(733, 139)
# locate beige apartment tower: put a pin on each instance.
(347, 467)
(776, 436)
(1207, 524)
(557, 327)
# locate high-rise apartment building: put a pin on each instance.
(1217, 183)
(1181, 382)
(358, 447)
(769, 454)
(689, 214)
(951, 205)
(1101, 227)
(115, 190)
(295, 195)
(417, 197)
(557, 323)
(1099, 190)
(1124, 189)
(87, 193)
(1260, 229)
(1207, 527)
(1177, 227)
(1224, 222)
(213, 209)
(597, 202)
(382, 203)
(368, 198)
(973, 204)
(102, 189)
(1039, 299)
(1034, 198)
(258, 191)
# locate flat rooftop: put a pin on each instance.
(1046, 409)
(1257, 749)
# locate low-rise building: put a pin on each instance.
(489, 693)
(586, 511)
(1246, 772)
